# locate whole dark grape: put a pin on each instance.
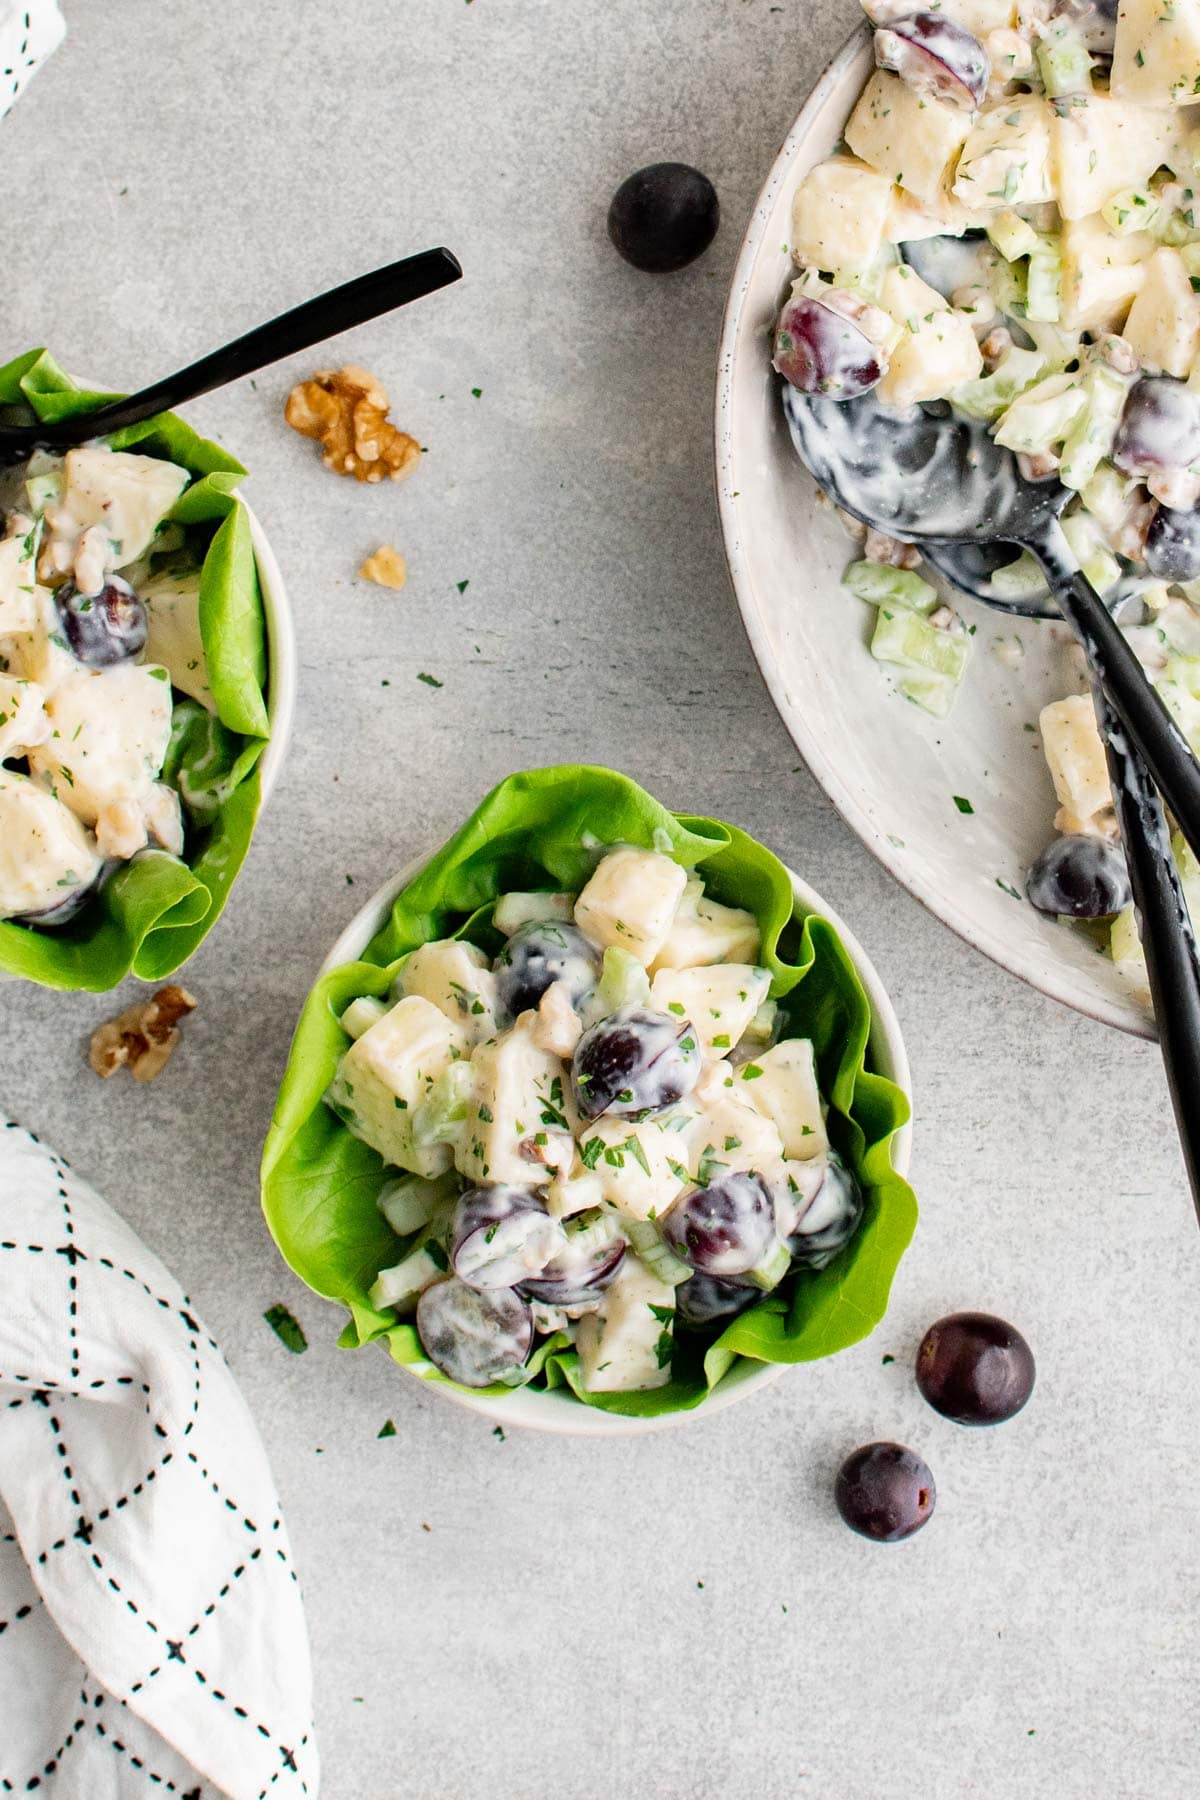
(725, 1228)
(1172, 550)
(1160, 427)
(105, 628)
(885, 1492)
(538, 954)
(975, 1369)
(663, 217)
(820, 351)
(832, 1218)
(706, 1300)
(935, 55)
(1079, 877)
(635, 1061)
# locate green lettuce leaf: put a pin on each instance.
(541, 830)
(153, 913)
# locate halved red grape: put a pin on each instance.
(885, 1491)
(820, 351)
(538, 954)
(474, 1338)
(1079, 877)
(706, 1300)
(105, 628)
(501, 1236)
(573, 1280)
(935, 55)
(831, 1219)
(1160, 427)
(1095, 20)
(975, 1369)
(725, 1228)
(1172, 550)
(635, 1061)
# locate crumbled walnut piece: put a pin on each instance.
(346, 411)
(881, 548)
(386, 567)
(142, 1037)
(995, 345)
(1036, 465)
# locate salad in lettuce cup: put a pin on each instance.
(571, 891)
(147, 670)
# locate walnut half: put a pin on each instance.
(346, 411)
(142, 1037)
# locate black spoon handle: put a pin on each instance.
(351, 304)
(1166, 931)
(1116, 669)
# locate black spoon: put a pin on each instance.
(943, 482)
(937, 479)
(351, 304)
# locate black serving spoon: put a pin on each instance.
(942, 482)
(351, 304)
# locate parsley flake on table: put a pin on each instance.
(462, 586)
(387, 1429)
(429, 680)
(287, 1329)
(1007, 888)
(964, 806)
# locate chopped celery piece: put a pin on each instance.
(1055, 346)
(1125, 948)
(361, 1014)
(1043, 297)
(1019, 579)
(1063, 61)
(411, 1202)
(1012, 235)
(1189, 255)
(1175, 230)
(1009, 285)
(988, 395)
(1091, 436)
(771, 1270)
(1183, 704)
(869, 281)
(402, 1285)
(43, 491)
(934, 694)
(623, 982)
(1095, 558)
(1184, 671)
(1042, 416)
(440, 1117)
(646, 1239)
(884, 585)
(909, 641)
(1107, 494)
(1132, 209)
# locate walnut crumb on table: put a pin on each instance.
(345, 410)
(143, 1037)
(386, 567)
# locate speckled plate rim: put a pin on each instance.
(559, 1412)
(739, 343)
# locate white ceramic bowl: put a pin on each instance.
(561, 1412)
(891, 771)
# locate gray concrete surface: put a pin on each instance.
(681, 1617)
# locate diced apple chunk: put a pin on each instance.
(938, 350)
(1163, 327)
(631, 901)
(1156, 58)
(129, 495)
(839, 212)
(1101, 273)
(912, 138)
(732, 1133)
(455, 977)
(640, 1165)
(520, 1122)
(1005, 160)
(782, 1084)
(23, 720)
(1075, 756)
(1106, 145)
(172, 605)
(719, 1000)
(386, 1074)
(704, 931)
(18, 609)
(516, 909)
(627, 1347)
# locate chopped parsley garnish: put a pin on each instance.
(678, 1170)
(287, 1329)
(486, 1114)
(634, 1147)
(664, 1349)
(590, 1152)
(964, 806)
(664, 1314)
(429, 680)
(751, 1072)
(388, 1429)
(1007, 889)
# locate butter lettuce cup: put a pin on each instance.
(596, 1117)
(147, 676)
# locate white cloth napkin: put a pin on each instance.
(28, 33)
(152, 1639)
